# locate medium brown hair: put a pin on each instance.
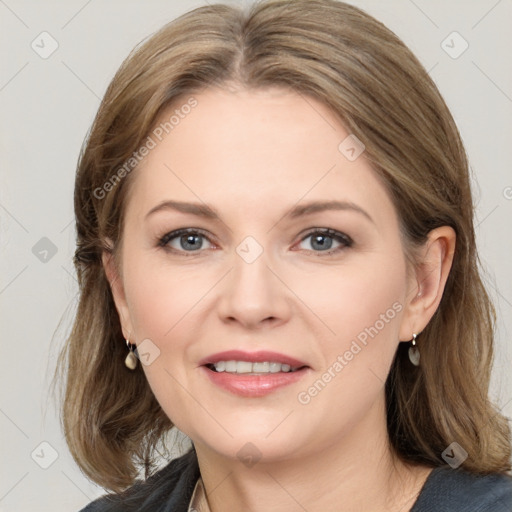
(347, 60)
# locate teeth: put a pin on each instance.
(260, 367)
(275, 367)
(248, 367)
(231, 366)
(243, 367)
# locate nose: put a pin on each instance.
(254, 296)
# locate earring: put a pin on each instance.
(414, 352)
(131, 358)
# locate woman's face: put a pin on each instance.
(275, 318)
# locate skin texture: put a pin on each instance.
(253, 156)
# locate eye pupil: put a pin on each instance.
(193, 242)
(322, 242)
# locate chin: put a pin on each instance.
(251, 447)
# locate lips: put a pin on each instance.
(253, 374)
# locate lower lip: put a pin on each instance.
(243, 384)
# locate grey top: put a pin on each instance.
(455, 490)
(445, 490)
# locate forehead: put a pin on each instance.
(256, 149)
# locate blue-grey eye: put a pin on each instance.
(329, 240)
(185, 241)
(191, 242)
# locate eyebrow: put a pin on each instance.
(320, 206)
(208, 212)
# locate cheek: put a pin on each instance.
(362, 304)
(356, 300)
(163, 303)
(363, 308)
(159, 295)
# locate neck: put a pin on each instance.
(358, 472)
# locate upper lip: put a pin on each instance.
(260, 356)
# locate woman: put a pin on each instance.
(276, 255)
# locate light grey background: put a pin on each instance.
(47, 106)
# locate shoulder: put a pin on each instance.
(169, 489)
(457, 490)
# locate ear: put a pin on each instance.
(427, 284)
(116, 285)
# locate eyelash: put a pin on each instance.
(345, 240)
